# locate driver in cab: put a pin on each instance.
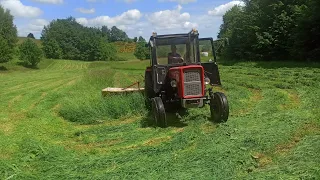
(173, 56)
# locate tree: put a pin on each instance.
(142, 52)
(108, 51)
(141, 39)
(52, 49)
(30, 35)
(307, 33)
(262, 29)
(5, 51)
(135, 39)
(117, 35)
(106, 31)
(67, 39)
(30, 53)
(8, 35)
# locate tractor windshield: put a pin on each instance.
(176, 50)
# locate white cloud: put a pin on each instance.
(222, 9)
(189, 25)
(49, 1)
(17, 9)
(170, 19)
(34, 26)
(37, 25)
(179, 1)
(86, 11)
(122, 21)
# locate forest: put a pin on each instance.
(273, 30)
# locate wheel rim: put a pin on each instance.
(219, 108)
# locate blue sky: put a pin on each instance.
(136, 17)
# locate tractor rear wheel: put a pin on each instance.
(148, 90)
(159, 112)
(219, 107)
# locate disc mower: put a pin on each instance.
(182, 76)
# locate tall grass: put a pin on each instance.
(86, 105)
(273, 131)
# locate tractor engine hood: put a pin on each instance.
(189, 81)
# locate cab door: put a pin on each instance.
(208, 61)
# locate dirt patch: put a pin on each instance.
(14, 100)
(262, 159)
(156, 141)
(5, 156)
(178, 130)
(253, 100)
(306, 129)
(293, 100)
(208, 128)
(7, 128)
(43, 95)
(17, 116)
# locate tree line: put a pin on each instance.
(273, 30)
(67, 39)
(64, 39)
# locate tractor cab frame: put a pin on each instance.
(178, 81)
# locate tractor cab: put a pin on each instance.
(181, 68)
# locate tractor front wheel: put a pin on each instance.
(159, 112)
(219, 107)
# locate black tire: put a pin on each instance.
(219, 107)
(159, 112)
(148, 89)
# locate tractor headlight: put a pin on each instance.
(173, 83)
(207, 80)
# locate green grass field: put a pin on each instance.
(54, 124)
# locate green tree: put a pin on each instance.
(30, 53)
(108, 51)
(262, 30)
(30, 35)
(142, 52)
(67, 39)
(307, 33)
(141, 39)
(117, 34)
(52, 49)
(8, 35)
(106, 31)
(135, 39)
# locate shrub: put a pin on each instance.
(6, 53)
(141, 51)
(107, 51)
(52, 50)
(8, 35)
(30, 53)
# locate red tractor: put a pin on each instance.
(180, 72)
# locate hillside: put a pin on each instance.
(22, 39)
(125, 49)
(54, 124)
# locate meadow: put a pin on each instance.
(54, 124)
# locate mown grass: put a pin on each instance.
(54, 124)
